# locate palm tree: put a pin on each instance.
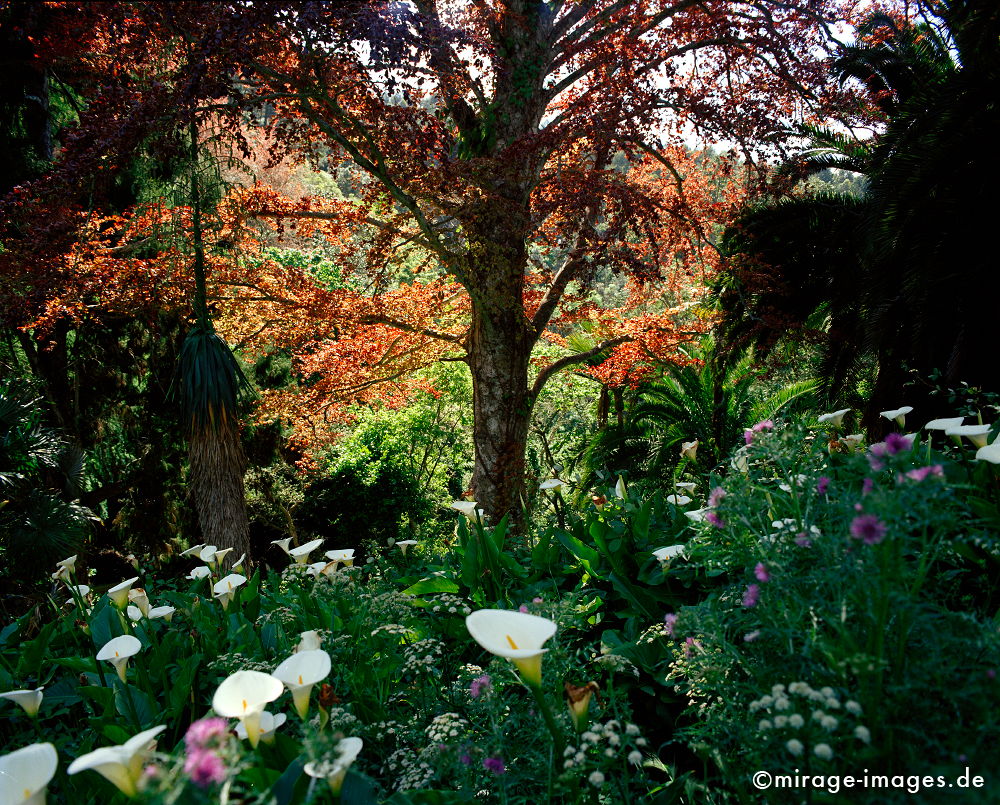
(896, 272)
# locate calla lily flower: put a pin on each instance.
(945, 423)
(118, 650)
(121, 765)
(138, 597)
(224, 588)
(668, 553)
(740, 462)
(334, 772)
(678, 500)
(689, 450)
(620, 491)
(343, 556)
(698, 515)
(65, 568)
(244, 695)
(282, 543)
(119, 593)
(165, 612)
(200, 572)
(309, 641)
(301, 554)
(686, 486)
(836, 418)
(193, 549)
(578, 701)
(977, 434)
(853, 440)
(405, 544)
(518, 636)
(316, 568)
(24, 774)
(300, 672)
(81, 590)
(555, 484)
(134, 613)
(238, 564)
(269, 723)
(897, 414)
(990, 453)
(29, 700)
(220, 555)
(468, 508)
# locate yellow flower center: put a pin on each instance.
(244, 705)
(27, 793)
(116, 653)
(510, 640)
(300, 679)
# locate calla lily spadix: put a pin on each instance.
(836, 418)
(897, 414)
(121, 765)
(29, 700)
(977, 434)
(225, 587)
(668, 553)
(269, 722)
(244, 695)
(24, 774)
(518, 636)
(678, 500)
(300, 672)
(405, 544)
(301, 554)
(118, 650)
(335, 771)
(119, 593)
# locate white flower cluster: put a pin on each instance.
(230, 663)
(423, 656)
(342, 720)
(411, 770)
(383, 730)
(616, 662)
(654, 633)
(450, 604)
(781, 706)
(446, 727)
(602, 746)
(392, 629)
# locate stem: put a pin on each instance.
(558, 742)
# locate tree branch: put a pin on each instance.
(570, 360)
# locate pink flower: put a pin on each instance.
(205, 768)
(751, 596)
(480, 685)
(494, 764)
(761, 573)
(536, 600)
(869, 528)
(867, 485)
(715, 497)
(822, 485)
(204, 732)
(522, 608)
(921, 473)
(748, 436)
(802, 540)
(765, 424)
(690, 645)
(897, 443)
(715, 520)
(670, 620)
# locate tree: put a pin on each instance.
(488, 134)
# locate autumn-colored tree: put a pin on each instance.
(490, 137)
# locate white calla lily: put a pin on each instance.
(269, 723)
(469, 508)
(138, 597)
(836, 418)
(282, 543)
(29, 700)
(517, 636)
(555, 484)
(697, 515)
(678, 500)
(897, 414)
(24, 774)
(990, 453)
(686, 486)
(119, 593)
(225, 587)
(118, 650)
(309, 641)
(944, 423)
(334, 771)
(668, 553)
(300, 672)
(165, 612)
(238, 564)
(620, 491)
(977, 434)
(689, 450)
(200, 572)
(244, 695)
(121, 765)
(133, 613)
(405, 544)
(344, 556)
(301, 554)
(193, 549)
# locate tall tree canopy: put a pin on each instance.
(487, 135)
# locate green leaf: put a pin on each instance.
(357, 790)
(142, 704)
(284, 789)
(103, 697)
(433, 584)
(33, 652)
